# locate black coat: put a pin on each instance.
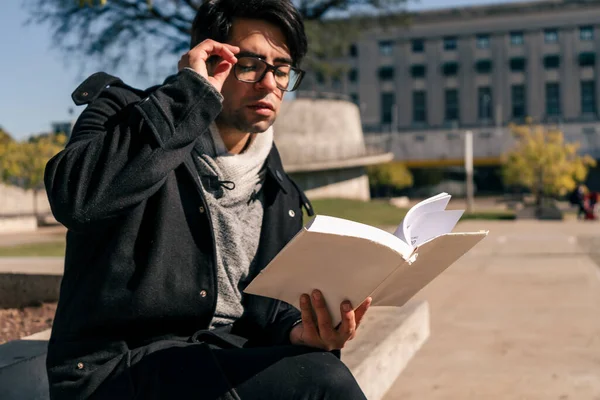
(139, 265)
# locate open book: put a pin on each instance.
(348, 260)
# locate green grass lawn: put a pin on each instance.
(381, 213)
(50, 249)
(376, 213)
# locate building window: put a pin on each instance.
(450, 68)
(354, 98)
(320, 77)
(483, 41)
(336, 82)
(418, 45)
(517, 64)
(519, 102)
(450, 43)
(419, 106)
(483, 66)
(552, 61)
(418, 71)
(386, 73)
(353, 50)
(587, 59)
(588, 97)
(386, 47)
(551, 36)
(517, 39)
(387, 107)
(452, 107)
(353, 75)
(552, 99)
(586, 33)
(484, 101)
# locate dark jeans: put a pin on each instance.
(195, 371)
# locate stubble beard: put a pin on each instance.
(239, 122)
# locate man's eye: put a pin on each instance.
(282, 74)
(248, 68)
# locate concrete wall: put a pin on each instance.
(17, 224)
(351, 183)
(16, 209)
(315, 130)
(312, 131)
(14, 200)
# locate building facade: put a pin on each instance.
(477, 68)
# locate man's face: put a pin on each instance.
(252, 107)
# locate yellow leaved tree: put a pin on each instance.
(542, 161)
(6, 142)
(25, 161)
(389, 177)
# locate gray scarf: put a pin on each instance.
(232, 185)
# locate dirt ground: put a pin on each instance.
(18, 322)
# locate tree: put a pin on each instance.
(115, 32)
(543, 162)
(26, 161)
(389, 177)
(6, 142)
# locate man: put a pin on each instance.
(174, 199)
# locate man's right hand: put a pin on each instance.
(196, 59)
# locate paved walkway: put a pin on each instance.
(42, 235)
(516, 318)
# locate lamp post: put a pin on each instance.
(469, 169)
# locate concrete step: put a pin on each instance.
(29, 280)
(386, 341)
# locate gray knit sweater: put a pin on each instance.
(232, 186)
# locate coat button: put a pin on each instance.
(292, 213)
(80, 365)
(201, 210)
(203, 293)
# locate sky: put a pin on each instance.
(37, 79)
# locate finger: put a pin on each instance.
(222, 71)
(359, 313)
(223, 50)
(326, 330)
(306, 312)
(348, 325)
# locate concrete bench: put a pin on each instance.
(29, 280)
(389, 337)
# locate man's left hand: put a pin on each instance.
(321, 333)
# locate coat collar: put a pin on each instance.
(276, 172)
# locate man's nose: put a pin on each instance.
(268, 81)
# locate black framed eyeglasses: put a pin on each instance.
(253, 69)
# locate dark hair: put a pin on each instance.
(215, 19)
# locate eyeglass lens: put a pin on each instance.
(251, 70)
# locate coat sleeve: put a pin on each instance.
(122, 148)
(278, 331)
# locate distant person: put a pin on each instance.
(592, 201)
(175, 198)
(577, 198)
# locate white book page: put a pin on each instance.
(344, 227)
(435, 203)
(433, 224)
